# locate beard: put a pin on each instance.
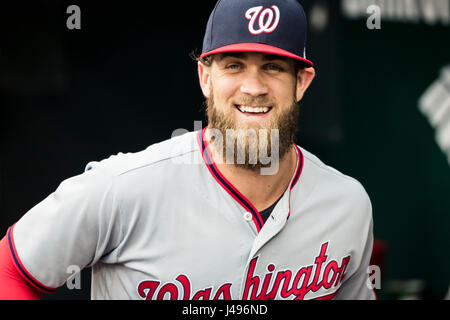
(252, 145)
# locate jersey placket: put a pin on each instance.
(275, 223)
(251, 213)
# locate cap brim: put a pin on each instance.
(257, 47)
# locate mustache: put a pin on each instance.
(253, 101)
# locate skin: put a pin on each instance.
(266, 79)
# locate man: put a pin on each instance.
(233, 211)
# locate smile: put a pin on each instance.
(253, 109)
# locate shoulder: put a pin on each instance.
(100, 177)
(331, 183)
(166, 151)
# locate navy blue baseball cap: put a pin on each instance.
(269, 26)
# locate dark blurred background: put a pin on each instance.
(378, 110)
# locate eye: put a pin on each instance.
(233, 66)
(274, 67)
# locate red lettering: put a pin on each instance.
(151, 286)
(224, 291)
(332, 266)
(202, 294)
(286, 277)
(263, 295)
(251, 281)
(342, 270)
(168, 288)
(301, 285)
(315, 285)
(186, 286)
(304, 272)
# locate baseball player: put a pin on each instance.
(187, 218)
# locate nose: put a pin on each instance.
(253, 84)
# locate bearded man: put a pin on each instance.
(254, 217)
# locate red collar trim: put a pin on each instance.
(239, 197)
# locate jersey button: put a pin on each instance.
(248, 216)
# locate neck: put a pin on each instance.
(261, 190)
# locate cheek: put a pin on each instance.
(223, 91)
(286, 94)
(225, 86)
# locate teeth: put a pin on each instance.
(253, 109)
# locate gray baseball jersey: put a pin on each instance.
(164, 223)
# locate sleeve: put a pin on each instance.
(13, 285)
(77, 225)
(357, 285)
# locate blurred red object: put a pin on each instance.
(379, 252)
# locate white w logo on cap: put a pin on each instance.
(268, 26)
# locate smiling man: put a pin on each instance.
(158, 225)
(253, 94)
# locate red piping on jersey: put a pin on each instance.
(20, 267)
(235, 194)
(217, 175)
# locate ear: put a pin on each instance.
(304, 78)
(204, 73)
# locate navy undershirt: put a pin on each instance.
(265, 214)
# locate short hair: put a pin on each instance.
(207, 61)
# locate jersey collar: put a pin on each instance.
(232, 191)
